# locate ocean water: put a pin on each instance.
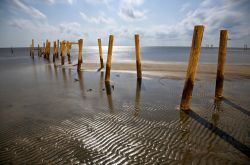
(51, 114)
(149, 54)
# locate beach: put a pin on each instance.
(52, 114)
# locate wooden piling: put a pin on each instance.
(54, 54)
(62, 53)
(58, 47)
(138, 56)
(192, 66)
(68, 45)
(80, 43)
(38, 50)
(221, 63)
(48, 50)
(109, 58)
(100, 52)
(32, 48)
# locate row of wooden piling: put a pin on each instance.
(191, 69)
(193, 62)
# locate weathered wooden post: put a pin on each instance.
(80, 43)
(68, 45)
(38, 50)
(57, 48)
(32, 48)
(109, 58)
(54, 52)
(221, 63)
(192, 66)
(100, 52)
(48, 50)
(138, 56)
(62, 52)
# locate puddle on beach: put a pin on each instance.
(55, 115)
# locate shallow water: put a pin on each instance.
(55, 115)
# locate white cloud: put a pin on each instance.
(129, 10)
(101, 19)
(18, 4)
(59, 1)
(231, 15)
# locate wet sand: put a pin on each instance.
(54, 115)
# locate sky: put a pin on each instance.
(158, 22)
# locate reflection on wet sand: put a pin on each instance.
(56, 72)
(108, 87)
(64, 77)
(138, 98)
(81, 84)
(101, 84)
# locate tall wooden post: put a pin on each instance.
(48, 50)
(62, 52)
(68, 45)
(54, 54)
(109, 58)
(138, 56)
(38, 50)
(100, 52)
(192, 66)
(80, 43)
(32, 48)
(221, 63)
(58, 47)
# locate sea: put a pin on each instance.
(155, 54)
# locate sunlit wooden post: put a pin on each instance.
(192, 66)
(68, 45)
(221, 63)
(138, 56)
(100, 52)
(62, 52)
(48, 50)
(80, 44)
(54, 54)
(109, 58)
(57, 48)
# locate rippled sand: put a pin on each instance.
(53, 115)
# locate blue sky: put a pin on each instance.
(159, 22)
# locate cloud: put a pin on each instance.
(129, 10)
(101, 19)
(227, 14)
(59, 1)
(33, 12)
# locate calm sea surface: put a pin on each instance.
(148, 54)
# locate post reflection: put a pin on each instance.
(138, 98)
(81, 84)
(101, 84)
(64, 77)
(55, 70)
(109, 96)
